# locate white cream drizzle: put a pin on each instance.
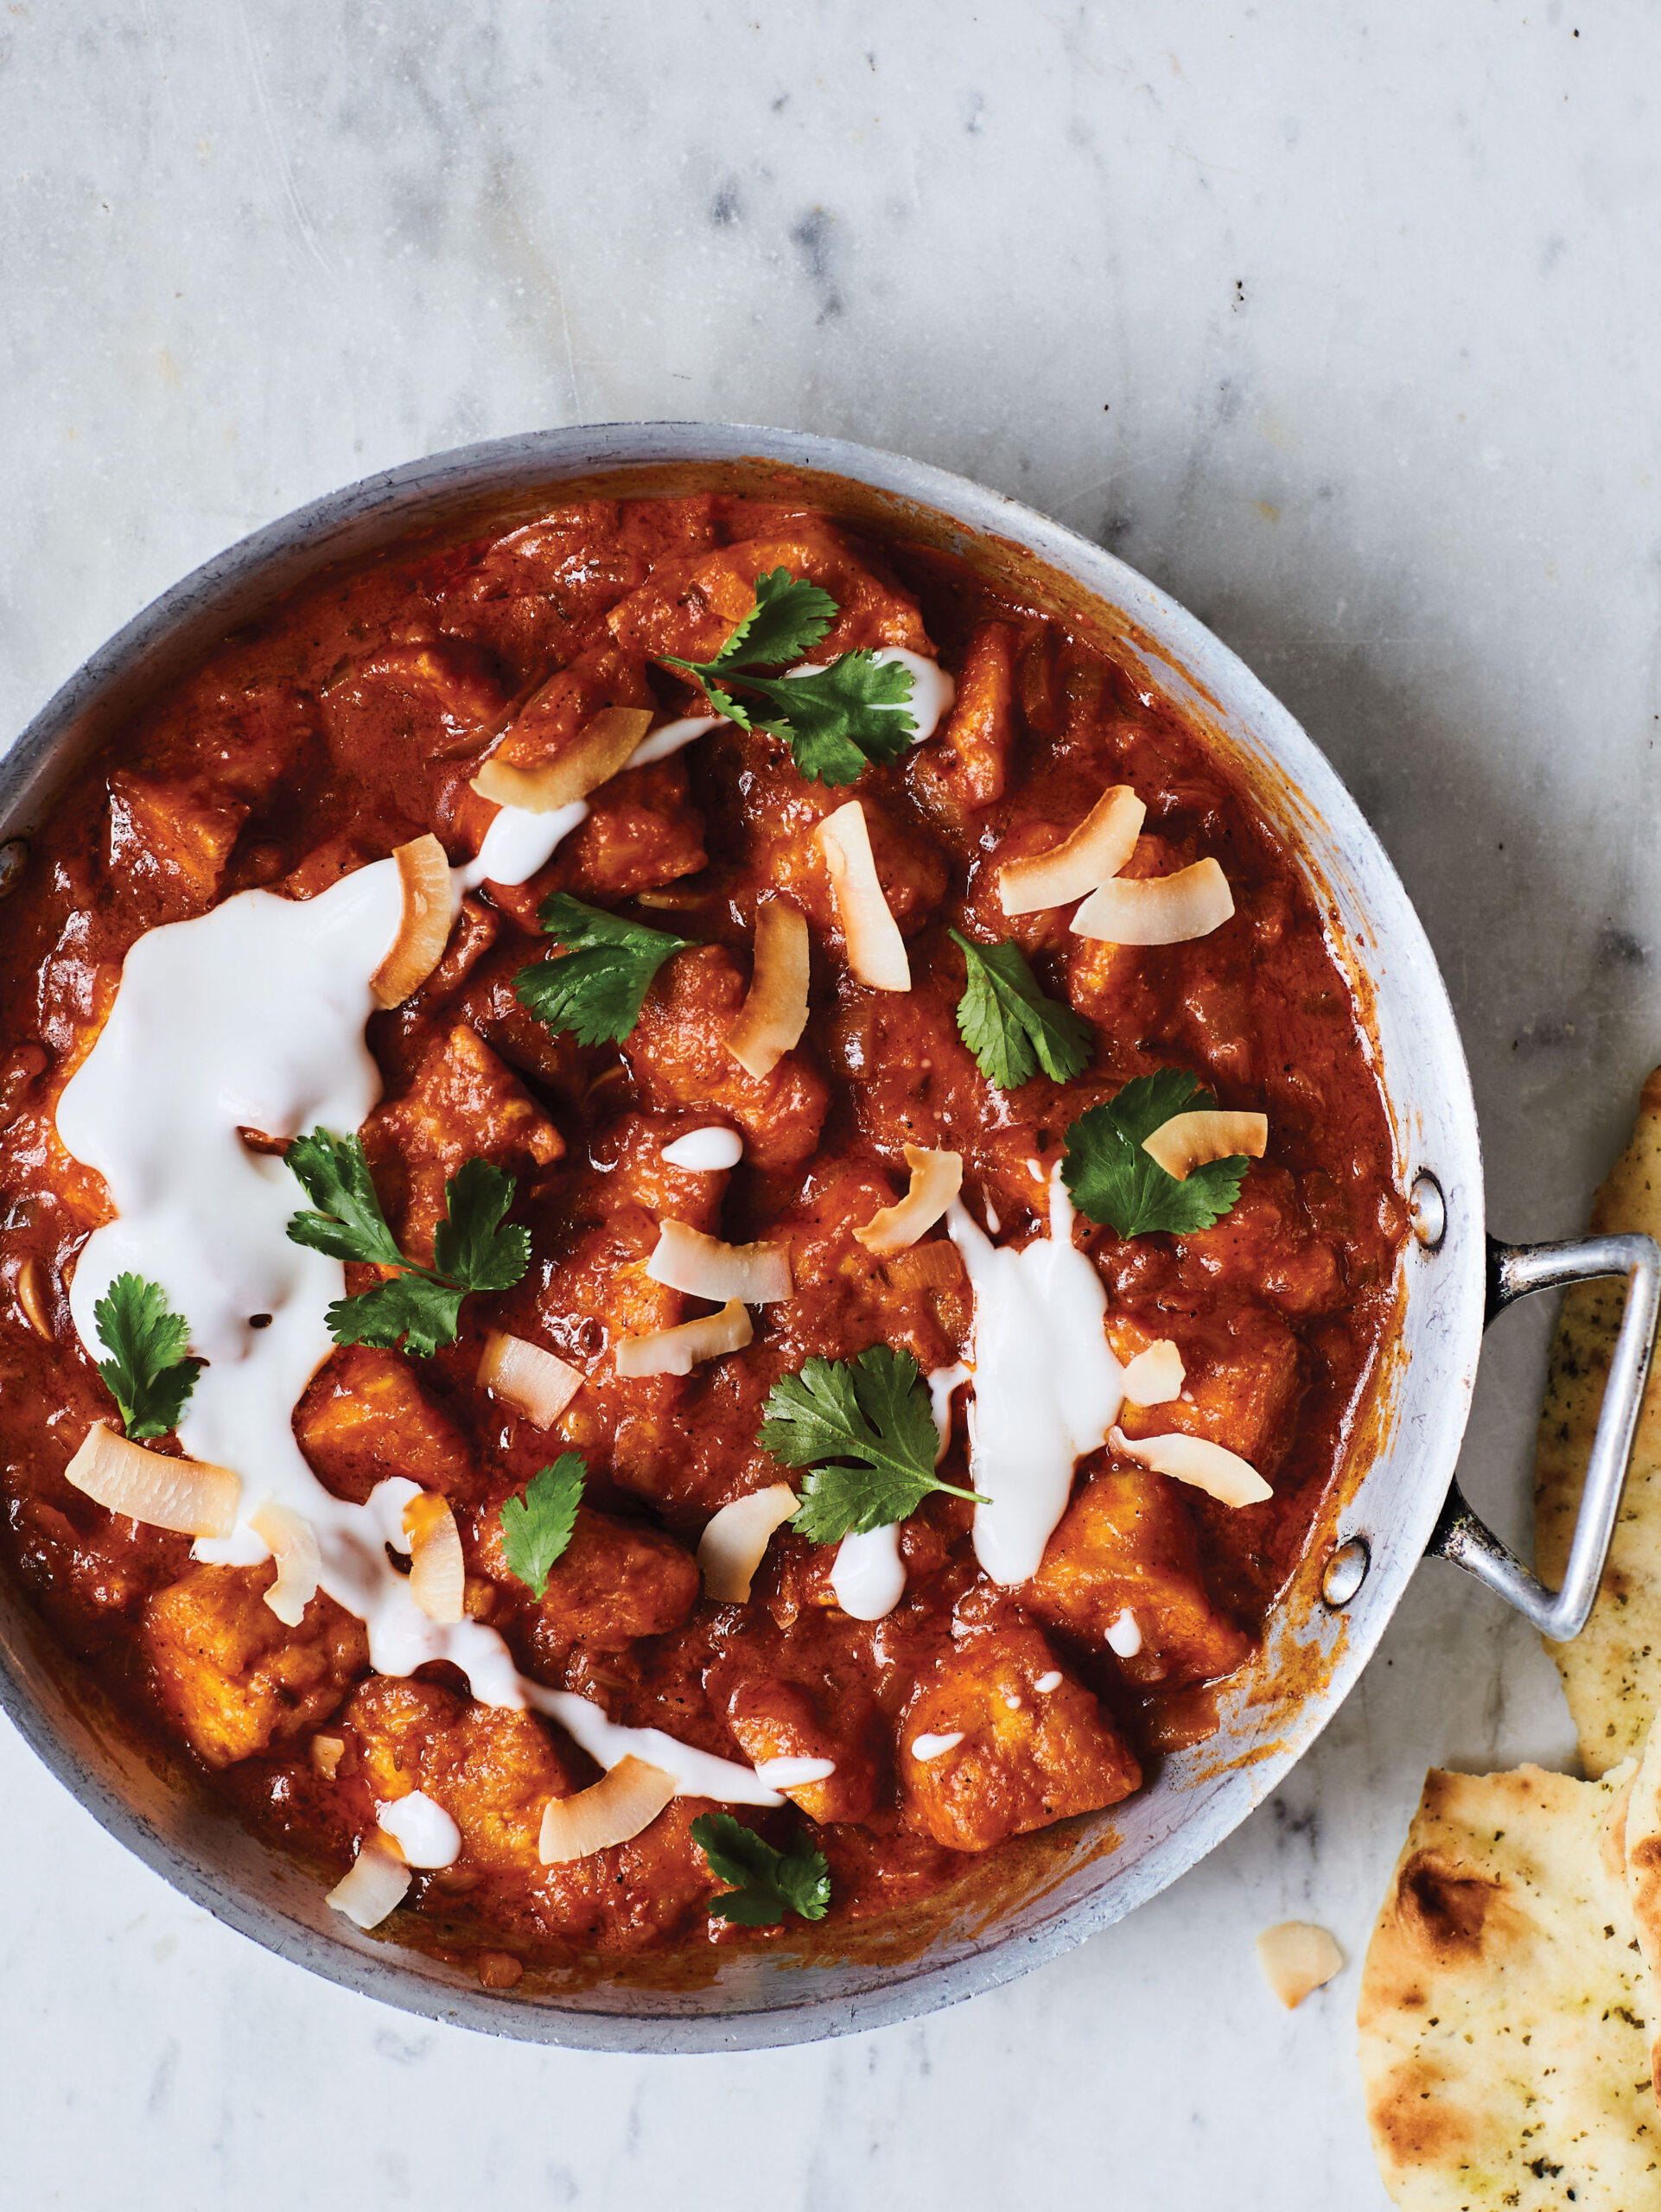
(252, 1016)
(705, 1150)
(422, 1831)
(868, 1579)
(931, 1747)
(1046, 1683)
(1047, 1387)
(795, 1774)
(1124, 1637)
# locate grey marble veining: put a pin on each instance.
(1342, 324)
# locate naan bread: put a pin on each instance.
(1641, 1839)
(1612, 1671)
(1504, 2008)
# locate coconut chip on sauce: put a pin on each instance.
(376, 1883)
(627, 1798)
(678, 1351)
(1157, 909)
(774, 1013)
(299, 1560)
(734, 1541)
(187, 1496)
(438, 1570)
(528, 1379)
(1089, 855)
(1221, 1474)
(424, 920)
(594, 755)
(685, 1259)
(936, 1180)
(876, 951)
(1155, 1375)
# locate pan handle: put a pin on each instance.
(1515, 1270)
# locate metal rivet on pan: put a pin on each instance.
(14, 858)
(1345, 1570)
(1427, 1209)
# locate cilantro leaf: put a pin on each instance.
(767, 1884)
(787, 620)
(1112, 1179)
(597, 991)
(865, 1427)
(1009, 1026)
(148, 1373)
(835, 720)
(413, 1309)
(470, 1247)
(350, 1224)
(536, 1528)
(422, 1307)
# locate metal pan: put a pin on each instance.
(1398, 1498)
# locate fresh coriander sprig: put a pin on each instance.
(1009, 1026)
(835, 720)
(420, 1305)
(767, 1884)
(536, 1528)
(597, 990)
(865, 1427)
(148, 1373)
(1112, 1179)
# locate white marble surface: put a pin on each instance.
(1340, 320)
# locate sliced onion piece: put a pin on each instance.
(294, 1546)
(1222, 1475)
(775, 1014)
(374, 1885)
(1297, 1957)
(34, 1297)
(677, 1351)
(599, 748)
(1157, 909)
(685, 1259)
(532, 1382)
(876, 951)
(190, 1496)
(1191, 1140)
(327, 1752)
(627, 1798)
(735, 1542)
(936, 1180)
(438, 1573)
(1096, 849)
(1156, 1376)
(423, 928)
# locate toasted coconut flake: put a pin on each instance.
(1222, 1475)
(1191, 1140)
(775, 1014)
(327, 1752)
(294, 1544)
(423, 927)
(876, 951)
(190, 1496)
(1096, 849)
(1156, 1376)
(532, 1382)
(599, 748)
(1157, 909)
(685, 1259)
(1297, 1957)
(437, 1570)
(936, 1180)
(627, 1798)
(735, 1542)
(35, 1297)
(375, 1884)
(677, 1351)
